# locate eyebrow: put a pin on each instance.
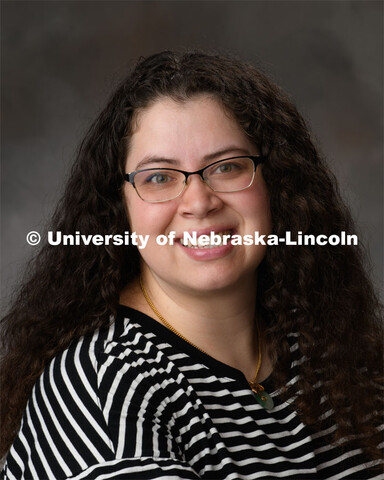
(152, 159)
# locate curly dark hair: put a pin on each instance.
(323, 293)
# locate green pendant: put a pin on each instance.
(262, 396)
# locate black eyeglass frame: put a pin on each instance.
(257, 160)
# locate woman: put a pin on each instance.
(195, 359)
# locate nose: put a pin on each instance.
(198, 200)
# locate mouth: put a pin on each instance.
(210, 239)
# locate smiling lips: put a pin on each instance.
(206, 241)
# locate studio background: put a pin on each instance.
(62, 59)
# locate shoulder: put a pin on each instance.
(80, 364)
(78, 377)
(62, 414)
(87, 400)
(135, 364)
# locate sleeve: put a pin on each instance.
(127, 469)
(65, 433)
(138, 469)
(63, 430)
(149, 413)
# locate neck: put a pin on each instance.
(222, 324)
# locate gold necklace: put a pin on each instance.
(259, 393)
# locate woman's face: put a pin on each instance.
(189, 136)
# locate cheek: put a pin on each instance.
(147, 218)
(264, 211)
(257, 211)
(128, 204)
(136, 211)
(262, 203)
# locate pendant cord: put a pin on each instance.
(254, 386)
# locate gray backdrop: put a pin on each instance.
(61, 59)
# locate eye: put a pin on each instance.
(159, 178)
(228, 167)
(225, 168)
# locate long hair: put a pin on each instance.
(320, 292)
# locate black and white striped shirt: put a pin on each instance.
(135, 401)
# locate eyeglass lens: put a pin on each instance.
(159, 185)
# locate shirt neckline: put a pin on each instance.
(150, 325)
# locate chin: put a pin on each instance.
(210, 282)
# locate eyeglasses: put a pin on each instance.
(233, 174)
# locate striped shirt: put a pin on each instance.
(135, 401)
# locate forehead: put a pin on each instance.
(185, 130)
